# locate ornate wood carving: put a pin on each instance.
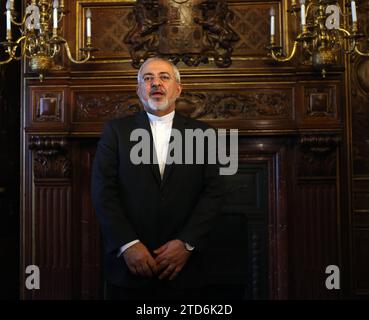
(319, 144)
(266, 101)
(317, 155)
(104, 105)
(49, 107)
(51, 159)
(250, 104)
(187, 30)
(320, 102)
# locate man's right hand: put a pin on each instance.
(139, 260)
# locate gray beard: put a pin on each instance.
(152, 105)
(158, 106)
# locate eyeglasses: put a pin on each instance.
(148, 78)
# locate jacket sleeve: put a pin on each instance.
(115, 227)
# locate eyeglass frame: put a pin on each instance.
(157, 77)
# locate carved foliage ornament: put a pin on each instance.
(102, 106)
(240, 106)
(51, 159)
(317, 155)
(187, 30)
(252, 104)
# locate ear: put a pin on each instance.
(179, 89)
(140, 91)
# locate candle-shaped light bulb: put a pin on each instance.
(8, 17)
(353, 11)
(88, 23)
(55, 14)
(303, 18)
(272, 21)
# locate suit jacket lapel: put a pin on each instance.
(143, 122)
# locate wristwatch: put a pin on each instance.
(188, 247)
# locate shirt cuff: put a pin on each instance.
(126, 246)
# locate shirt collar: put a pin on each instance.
(164, 119)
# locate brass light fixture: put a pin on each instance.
(322, 37)
(40, 40)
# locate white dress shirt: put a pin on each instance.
(161, 128)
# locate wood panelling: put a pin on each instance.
(316, 230)
(361, 264)
(361, 218)
(241, 106)
(251, 21)
(320, 102)
(315, 217)
(292, 148)
(273, 153)
(111, 23)
(359, 147)
(46, 107)
(88, 268)
(53, 240)
(102, 104)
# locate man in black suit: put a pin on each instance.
(155, 217)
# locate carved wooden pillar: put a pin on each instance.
(51, 216)
(316, 215)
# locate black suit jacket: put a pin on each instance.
(133, 202)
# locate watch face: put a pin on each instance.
(189, 247)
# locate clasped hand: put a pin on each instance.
(169, 261)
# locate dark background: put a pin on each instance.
(9, 172)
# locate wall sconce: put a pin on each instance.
(40, 40)
(321, 36)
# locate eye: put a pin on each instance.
(164, 77)
(148, 78)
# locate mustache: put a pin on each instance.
(157, 90)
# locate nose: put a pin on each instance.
(155, 82)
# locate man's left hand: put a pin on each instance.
(170, 259)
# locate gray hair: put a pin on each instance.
(175, 69)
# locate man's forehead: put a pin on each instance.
(157, 67)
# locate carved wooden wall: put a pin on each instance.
(292, 122)
(358, 145)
